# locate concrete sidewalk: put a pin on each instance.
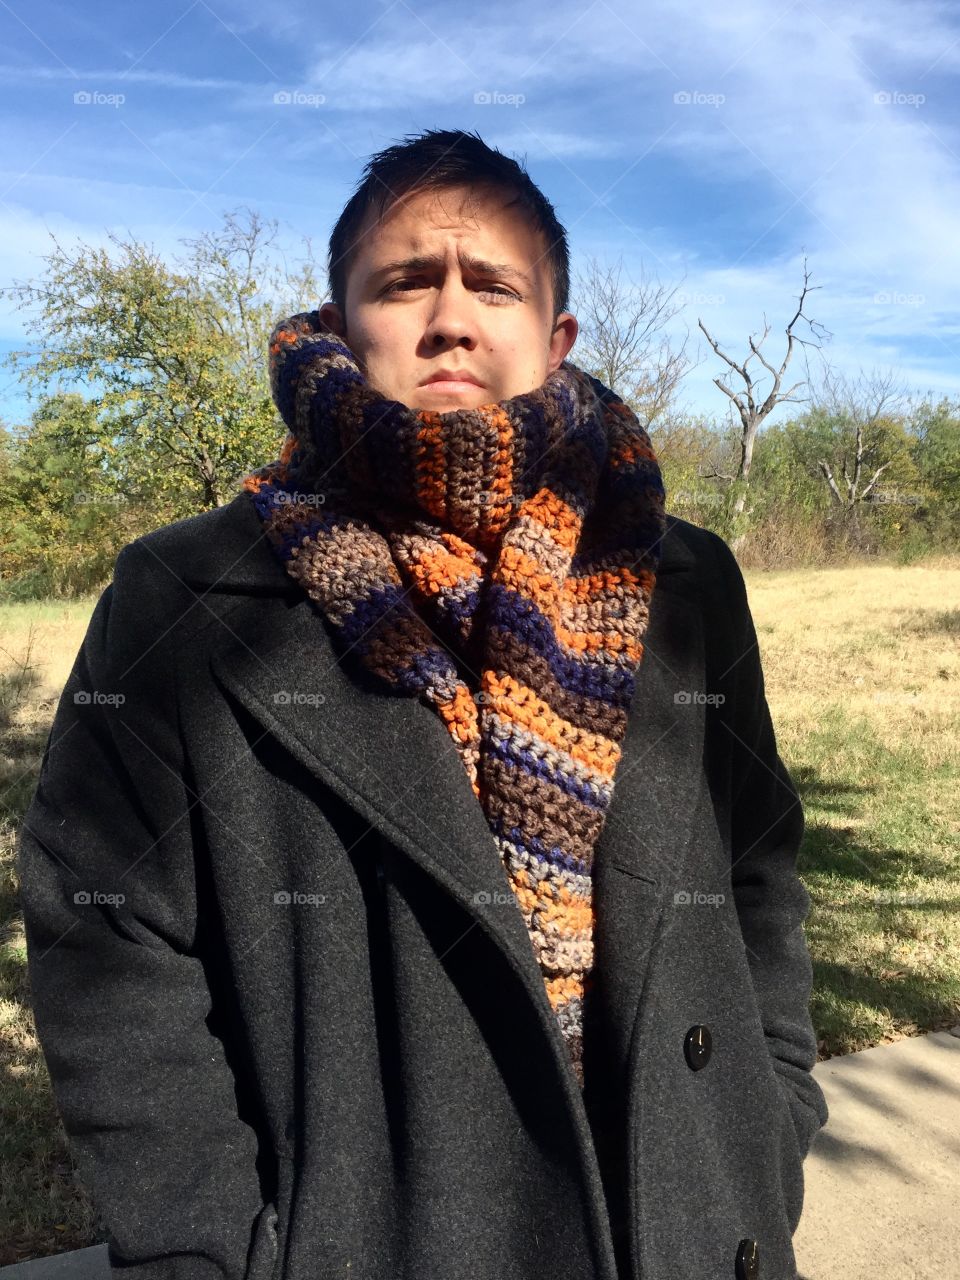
(883, 1176)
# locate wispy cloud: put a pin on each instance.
(114, 75)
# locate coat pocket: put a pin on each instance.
(807, 1122)
(263, 1251)
(789, 1142)
(271, 1227)
(792, 1182)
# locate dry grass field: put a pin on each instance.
(862, 667)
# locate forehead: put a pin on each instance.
(478, 222)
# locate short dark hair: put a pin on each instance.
(435, 160)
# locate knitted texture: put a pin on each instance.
(499, 563)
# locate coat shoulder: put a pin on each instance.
(690, 545)
(221, 550)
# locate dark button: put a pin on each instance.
(748, 1260)
(696, 1047)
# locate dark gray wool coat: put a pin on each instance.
(291, 1012)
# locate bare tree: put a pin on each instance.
(863, 406)
(751, 407)
(622, 339)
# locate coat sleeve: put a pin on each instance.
(120, 995)
(772, 903)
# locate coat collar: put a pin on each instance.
(392, 759)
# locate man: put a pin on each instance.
(410, 884)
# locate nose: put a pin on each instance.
(452, 320)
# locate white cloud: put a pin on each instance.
(113, 76)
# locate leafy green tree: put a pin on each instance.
(63, 516)
(172, 356)
(936, 451)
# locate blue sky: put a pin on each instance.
(712, 146)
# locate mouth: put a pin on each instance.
(451, 381)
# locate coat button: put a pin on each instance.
(696, 1047)
(748, 1260)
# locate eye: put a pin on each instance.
(397, 287)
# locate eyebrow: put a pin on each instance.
(479, 266)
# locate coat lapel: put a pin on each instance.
(391, 758)
(638, 852)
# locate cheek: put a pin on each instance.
(385, 342)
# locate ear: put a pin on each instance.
(332, 317)
(562, 339)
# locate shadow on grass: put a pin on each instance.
(945, 620)
(847, 999)
(837, 851)
(22, 739)
(861, 911)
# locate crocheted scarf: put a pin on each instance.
(498, 563)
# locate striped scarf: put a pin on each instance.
(499, 563)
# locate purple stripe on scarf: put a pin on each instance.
(537, 767)
(539, 852)
(509, 612)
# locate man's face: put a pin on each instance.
(477, 300)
